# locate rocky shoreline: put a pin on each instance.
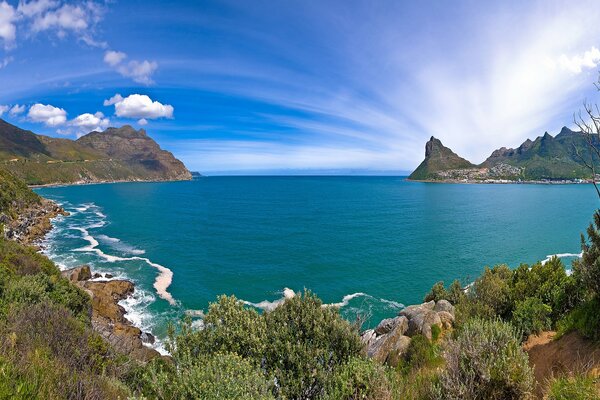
(108, 317)
(32, 223)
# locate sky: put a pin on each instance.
(285, 85)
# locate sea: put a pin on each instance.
(366, 245)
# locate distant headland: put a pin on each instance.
(547, 159)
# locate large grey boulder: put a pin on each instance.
(411, 311)
(444, 305)
(389, 324)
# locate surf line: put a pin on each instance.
(162, 281)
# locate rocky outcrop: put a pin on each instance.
(108, 318)
(32, 222)
(389, 341)
(78, 274)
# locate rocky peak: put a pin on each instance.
(126, 131)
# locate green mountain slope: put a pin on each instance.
(549, 157)
(438, 158)
(117, 154)
(545, 158)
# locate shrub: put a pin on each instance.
(587, 269)
(358, 379)
(485, 361)
(579, 387)
(306, 343)
(531, 316)
(437, 292)
(229, 327)
(211, 377)
(585, 318)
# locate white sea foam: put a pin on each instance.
(561, 255)
(163, 280)
(346, 300)
(119, 245)
(271, 305)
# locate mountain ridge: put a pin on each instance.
(116, 154)
(547, 157)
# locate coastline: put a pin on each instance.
(503, 181)
(31, 227)
(85, 183)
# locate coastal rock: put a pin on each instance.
(446, 318)
(78, 274)
(97, 275)
(444, 305)
(147, 337)
(389, 324)
(108, 276)
(412, 311)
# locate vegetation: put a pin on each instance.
(473, 373)
(578, 387)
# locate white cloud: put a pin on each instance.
(8, 29)
(143, 122)
(3, 109)
(114, 58)
(139, 71)
(90, 122)
(67, 17)
(5, 61)
(139, 106)
(47, 114)
(17, 109)
(577, 63)
(34, 8)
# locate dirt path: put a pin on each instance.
(570, 354)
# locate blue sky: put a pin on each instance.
(300, 85)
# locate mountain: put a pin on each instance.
(117, 154)
(438, 158)
(545, 158)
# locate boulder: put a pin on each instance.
(444, 305)
(97, 275)
(108, 276)
(147, 337)
(367, 337)
(389, 324)
(397, 352)
(411, 311)
(446, 318)
(78, 274)
(430, 319)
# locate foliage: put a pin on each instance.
(211, 377)
(306, 343)
(229, 328)
(359, 378)
(473, 373)
(420, 353)
(531, 316)
(587, 269)
(453, 294)
(585, 318)
(14, 194)
(578, 387)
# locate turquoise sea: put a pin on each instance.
(370, 244)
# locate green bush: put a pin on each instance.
(420, 353)
(358, 379)
(306, 343)
(579, 387)
(548, 282)
(485, 361)
(531, 316)
(585, 318)
(229, 327)
(453, 294)
(587, 269)
(209, 377)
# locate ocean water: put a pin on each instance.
(367, 244)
